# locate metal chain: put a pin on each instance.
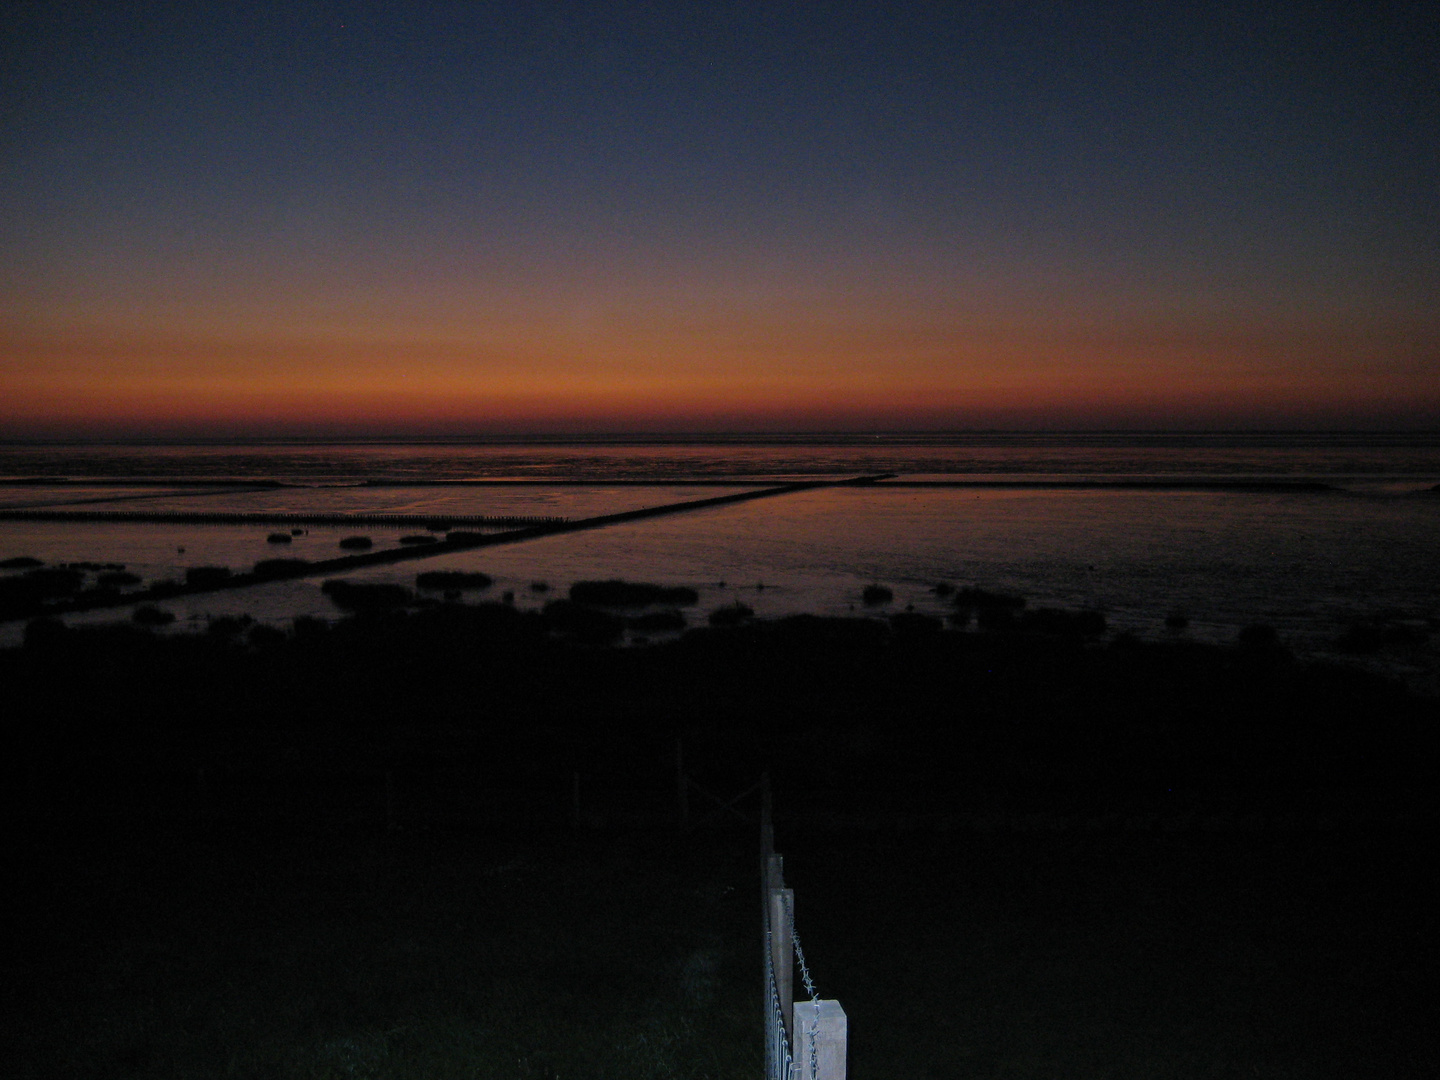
(800, 958)
(809, 989)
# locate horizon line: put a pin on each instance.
(682, 436)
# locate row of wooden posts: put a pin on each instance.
(804, 1040)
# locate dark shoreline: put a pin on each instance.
(906, 720)
(450, 838)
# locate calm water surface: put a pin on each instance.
(1308, 563)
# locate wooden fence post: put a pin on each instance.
(767, 824)
(782, 951)
(682, 793)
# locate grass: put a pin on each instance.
(330, 953)
(393, 956)
(1141, 956)
(1131, 923)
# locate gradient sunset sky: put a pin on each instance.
(484, 219)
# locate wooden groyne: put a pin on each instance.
(254, 518)
(1124, 485)
(288, 569)
(230, 483)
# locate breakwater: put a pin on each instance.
(459, 540)
(260, 518)
(1165, 484)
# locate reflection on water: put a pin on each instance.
(1300, 561)
(1309, 563)
(521, 501)
(1325, 455)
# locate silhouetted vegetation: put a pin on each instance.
(876, 595)
(1258, 636)
(992, 611)
(453, 579)
(149, 615)
(53, 580)
(582, 623)
(617, 593)
(943, 590)
(731, 614)
(657, 622)
(265, 636)
(117, 579)
(94, 566)
(975, 599)
(366, 597)
(279, 568)
(20, 562)
(97, 595)
(539, 586)
(23, 594)
(279, 538)
(1058, 623)
(912, 715)
(1188, 833)
(228, 626)
(357, 543)
(1177, 621)
(206, 577)
(1370, 637)
(915, 624)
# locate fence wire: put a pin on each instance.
(778, 1064)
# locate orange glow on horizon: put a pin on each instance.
(674, 376)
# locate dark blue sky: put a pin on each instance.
(674, 201)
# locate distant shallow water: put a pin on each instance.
(1308, 563)
(597, 460)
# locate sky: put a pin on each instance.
(470, 219)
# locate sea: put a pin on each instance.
(1191, 535)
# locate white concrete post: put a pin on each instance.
(827, 1020)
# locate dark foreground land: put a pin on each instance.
(450, 844)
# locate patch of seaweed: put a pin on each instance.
(453, 579)
(368, 597)
(618, 593)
